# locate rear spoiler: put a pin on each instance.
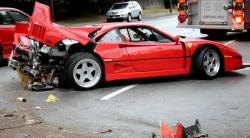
(42, 29)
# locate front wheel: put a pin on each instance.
(207, 63)
(84, 71)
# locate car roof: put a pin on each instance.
(12, 9)
(120, 24)
(124, 2)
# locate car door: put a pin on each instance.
(7, 29)
(132, 9)
(150, 50)
(115, 58)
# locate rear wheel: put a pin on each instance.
(139, 17)
(207, 63)
(84, 71)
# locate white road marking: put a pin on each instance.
(230, 42)
(244, 69)
(246, 64)
(109, 96)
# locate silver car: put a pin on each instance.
(125, 11)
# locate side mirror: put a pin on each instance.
(177, 39)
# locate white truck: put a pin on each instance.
(214, 17)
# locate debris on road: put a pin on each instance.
(153, 135)
(180, 131)
(22, 99)
(40, 108)
(52, 98)
(105, 131)
(29, 120)
(10, 115)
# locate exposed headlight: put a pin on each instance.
(68, 42)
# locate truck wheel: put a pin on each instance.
(207, 63)
(214, 33)
(84, 71)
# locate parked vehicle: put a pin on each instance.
(215, 17)
(8, 18)
(125, 11)
(86, 56)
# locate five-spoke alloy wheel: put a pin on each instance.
(84, 71)
(207, 63)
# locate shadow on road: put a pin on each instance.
(227, 75)
(3, 63)
(231, 36)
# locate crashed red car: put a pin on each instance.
(86, 56)
(8, 18)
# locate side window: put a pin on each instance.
(19, 17)
(125, 35)
(141, 34)
(5, 18)
(112, 36)
(162, 38)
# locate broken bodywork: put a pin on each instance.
(42, 46)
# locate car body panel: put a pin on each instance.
(43, 30)
(7, 32)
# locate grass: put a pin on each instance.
(157, 11)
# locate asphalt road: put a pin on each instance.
(221, 105)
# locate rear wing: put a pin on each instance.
(42, 29)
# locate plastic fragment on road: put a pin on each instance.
(105, 131)
(180, 131)
(52, 98)
(166, 132)
(21, 99)
(40, 108)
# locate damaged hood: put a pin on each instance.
(42, 29)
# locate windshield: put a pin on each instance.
(119, 6)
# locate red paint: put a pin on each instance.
(7, 35)
(127, 60)
(166, 132)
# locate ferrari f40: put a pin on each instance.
(86, 56)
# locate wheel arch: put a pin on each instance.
(196, 52)
(89, 48)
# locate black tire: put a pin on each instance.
(214, 33)
(202, 65)
(129, 18)
(71, 64)
(139, 18)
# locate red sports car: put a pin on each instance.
(86, 56)
(8, 18)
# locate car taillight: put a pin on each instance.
(182, 10)
(238, 11)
